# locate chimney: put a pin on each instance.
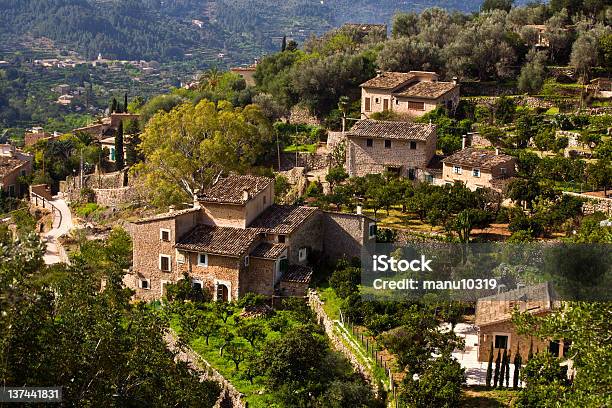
(358, 209)
(171, 209)
(454, 80)
(463, 140)
(196, 202)
(378, 73)
(497, 151)
(245, 195)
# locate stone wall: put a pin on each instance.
(328, 325)
(594, 204)
(345, 235)
(362, 160)
(486, 335)
(308, 235)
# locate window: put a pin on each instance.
(281, 239)
(164, 263)
(197, 284)
(377, 100)
(144, 284)
(502, 170)
(387, 144)
(397, 101)
(369, 142)
(372, 230)
(385, 104)
(368, 106)
(476, 172)
(246, 260)
(413, 145)
(457, 169)
(23, 173)
(418, 106)
(112, 154)
(11, 190)
(411, 174)
(501, 341)
(302, 254)
(202, 259)
(164, 235)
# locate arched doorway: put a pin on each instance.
(222, 292)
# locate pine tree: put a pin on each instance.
(284, 46)
(125, 103)
(517, 368)
(496, 374)
(490, 367)
(119, 163)
(503, 369)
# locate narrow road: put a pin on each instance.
(61, 226)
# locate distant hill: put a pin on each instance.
(166, 30)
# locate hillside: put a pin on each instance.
(166, 30)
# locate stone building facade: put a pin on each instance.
(13, 165)
(403, 148)
(235, 240)
(478, 168)
(495, 327)
(411, 93)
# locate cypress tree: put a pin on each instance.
(508, 370)
(125, 103)
(503, 369)
(517, 368)
(131, 147)
(490, 367)
(496, 374)
(284, 46)
(113, 106)
(119, 163)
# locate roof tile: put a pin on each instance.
(230, 190)
(219, 240)
(392, 130)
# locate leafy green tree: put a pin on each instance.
(252, 331)
(44, 309)
(467, 220)
(489, 5)
(533, 73)
(344, 280)
(335, 176)
(186, 148)
(405, 25)
(600, 174)
(409, 54)
(439, 385)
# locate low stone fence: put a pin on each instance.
(328, 325)
(112, 197)
(594, 204)
(230, 397)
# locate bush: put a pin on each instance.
(86, 210)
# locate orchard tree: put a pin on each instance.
(335, 176)
(600, 174)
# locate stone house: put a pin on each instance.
(411, 93)
(37, 133)
(235, 240)
(108, 126)
(494, 321)
(478, 168)
(404, 148)
(13, 165)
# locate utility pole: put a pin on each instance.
(81, 168)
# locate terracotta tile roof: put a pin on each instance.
(282, 219)
(392, 130)
(164, 216)
(9, 165)
(481, 158)
(298, 274)
(219, 240)
(268, 250)
(498, 308)
(230, 190)
(427, 90)
(389, 80)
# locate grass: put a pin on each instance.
(331, 302)
(85, 210)
(309, 148)
(552, 111)
(481, 397)
(401, 220)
